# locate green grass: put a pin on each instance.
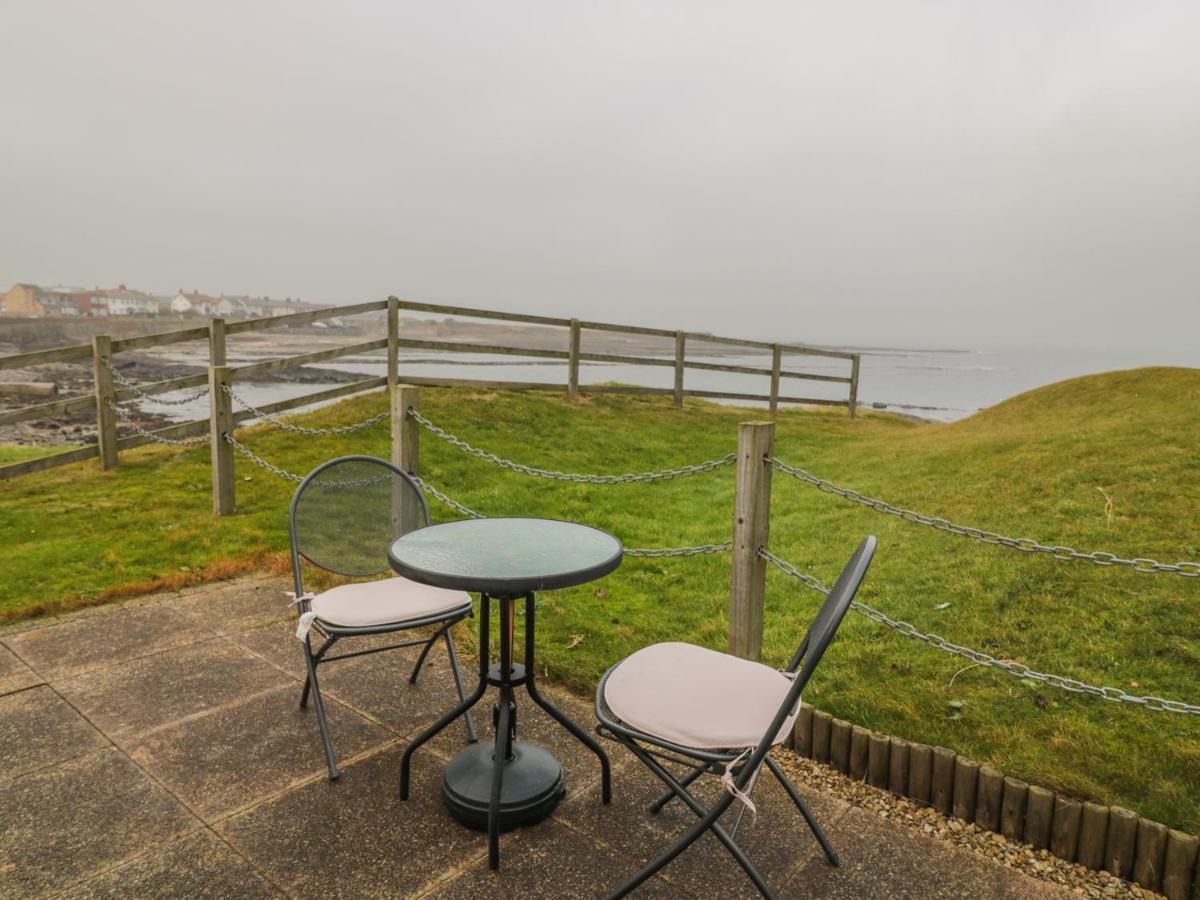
(1038, 465)
(11, 453)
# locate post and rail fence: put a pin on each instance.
(112, 390)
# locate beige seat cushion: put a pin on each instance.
(391, 601)
(698, 697)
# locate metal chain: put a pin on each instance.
(157, 438)
(643, 552)
(629, 478)
(1024, 544)
(153, 398)
(292, 476)
(1019, 670)
(299, 429)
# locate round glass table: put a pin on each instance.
(504, 559)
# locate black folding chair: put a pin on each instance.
(343, 517)
(718, 714)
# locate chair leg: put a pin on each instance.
(818, 833)
(472, 737)
(657, 806)
(707, 815)
(412, 679)
(316, 662)
(334, 774)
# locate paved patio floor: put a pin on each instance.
(157, 749)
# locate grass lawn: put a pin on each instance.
(1042, 465)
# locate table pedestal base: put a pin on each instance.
(532, 786)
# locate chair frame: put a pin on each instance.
(334, 633)
(646, 747)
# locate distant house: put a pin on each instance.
(194, 304)
(35, 301)
(121, 301)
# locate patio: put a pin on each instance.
(156, 749)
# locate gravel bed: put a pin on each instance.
(1022, 857)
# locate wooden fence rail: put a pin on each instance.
(104, 350)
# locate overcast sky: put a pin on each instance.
(945, 174)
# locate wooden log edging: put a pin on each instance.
(1090, 834)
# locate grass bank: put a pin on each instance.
(1045, 464)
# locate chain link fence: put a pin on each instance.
(1023, 544)
(628, 478)
(979, 658)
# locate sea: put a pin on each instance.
(940, 385)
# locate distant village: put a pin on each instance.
(59, 301)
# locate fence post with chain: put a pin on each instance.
(751, 524)
(680, 357)
(393, 339)
(573, 360)
(106, 397)
(406, 454)
(221, 424)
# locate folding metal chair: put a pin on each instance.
(718, 714)
(343, 517)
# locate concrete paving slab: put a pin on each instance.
(879, 859)
(251, 750)
(133, 698)
(775, 841)
(197, 866)
(39, 729)
(547, 860)
(355, 837)
(232, 606)
(67, 822)
(76, 646)
(14, 674)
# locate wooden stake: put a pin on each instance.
(106, 395)
(854, 361)
(1093, 835)
(406, 454)
(941, 789)
(966, 781)
(1039, 812)
(393, 337)
(802, 735)
(776, 364)
(839, 745)
(920, 772)
(751, 524)
(680, 358)
(860, 741)
(1179, 865)
(988, 799)
(1122, 835)
(822, 727)
(877, 760)
(1149, 853)
(573, 361)
(221, 424)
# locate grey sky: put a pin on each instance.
(963, 174)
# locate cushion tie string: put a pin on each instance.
(300, 598)
(742, 797)
(305, 623)
(306, 619)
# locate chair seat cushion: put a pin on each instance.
(391, 601)
(696, 697)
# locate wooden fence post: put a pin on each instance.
(854, 384)
(776, 365)
(751, 524)
(406, 453)
(106, 395)
(216, 342)
(393, 338)
(573, 360)
(680, 359)
(221, 424)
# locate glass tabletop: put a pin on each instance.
(505, 556)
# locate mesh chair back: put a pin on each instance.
(348, 510)
(833, 610)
